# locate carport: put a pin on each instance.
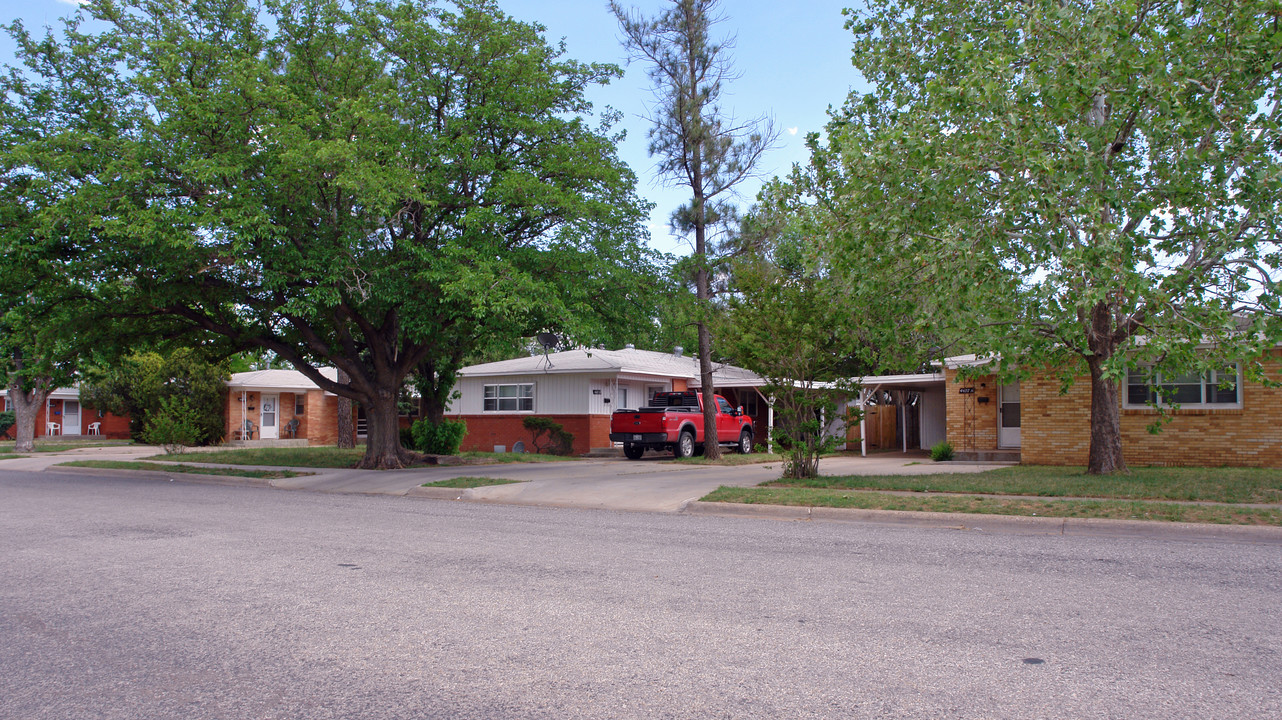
(923, 392)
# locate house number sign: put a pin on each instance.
(966, 391)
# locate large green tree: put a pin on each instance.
(368, 185)
(1093, 184)
(697, 143)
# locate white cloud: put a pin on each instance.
(792, 131)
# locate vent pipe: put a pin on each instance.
(678, 351)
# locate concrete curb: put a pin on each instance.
(999, 524)
(161, 475)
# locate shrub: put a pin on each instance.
(441, 438)
(7, 420)
(942, 451)
(407, 438)
(548, 436)
(175, 426)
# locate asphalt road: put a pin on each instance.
(123, 598)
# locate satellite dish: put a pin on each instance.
(548, 341)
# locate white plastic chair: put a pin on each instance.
(53, 428)
(95, 428)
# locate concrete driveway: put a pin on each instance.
(653, 484)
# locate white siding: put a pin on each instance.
(553, 394)
(600, 389)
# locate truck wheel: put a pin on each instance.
(685, 445)
(745, 443)
(632, 451)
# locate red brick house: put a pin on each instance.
(580, 389)
(279, 405)
(64, 415)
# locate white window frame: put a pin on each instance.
(524, 392)
(650, 391)
(1209, 381)
(300, 404)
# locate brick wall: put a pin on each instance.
(1056, 428)
(321, 418)
(110, 426)
(486, 431)
(972, 422)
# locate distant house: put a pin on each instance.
(1221, 420)
(64, 414)
(580, 389)
(274, 405)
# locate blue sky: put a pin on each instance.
(793, 60)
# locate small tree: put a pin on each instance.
(697, 143)
(175, 426)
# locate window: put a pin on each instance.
(724, 406)
(509, 398)
(1214, 388)
(652, 390)
(300, 407)
(623, 397)
(8, 404)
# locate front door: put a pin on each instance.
(70, 417)
(1008, 416)
(268, 417)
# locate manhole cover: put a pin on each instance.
(1033, 661)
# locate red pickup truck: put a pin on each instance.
(674, 421)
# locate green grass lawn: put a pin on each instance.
(1115, 509)
(470, 482)
(58, 444)
(178, 468)
(314, 457)
(1144, 493)
(332, 457)
(1228, 485)
(10, 456)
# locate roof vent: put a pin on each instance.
(678, 351)
(629, 346)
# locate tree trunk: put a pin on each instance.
(383, 449)
(26, 407)
(1106, 424)
(711, 449)
(431, 409)
(346, 433)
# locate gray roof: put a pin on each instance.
(628, 361)
(277, 380)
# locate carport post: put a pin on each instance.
(903, 418)
(770, 424)
(863, 431)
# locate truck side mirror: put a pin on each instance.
(738, 411)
